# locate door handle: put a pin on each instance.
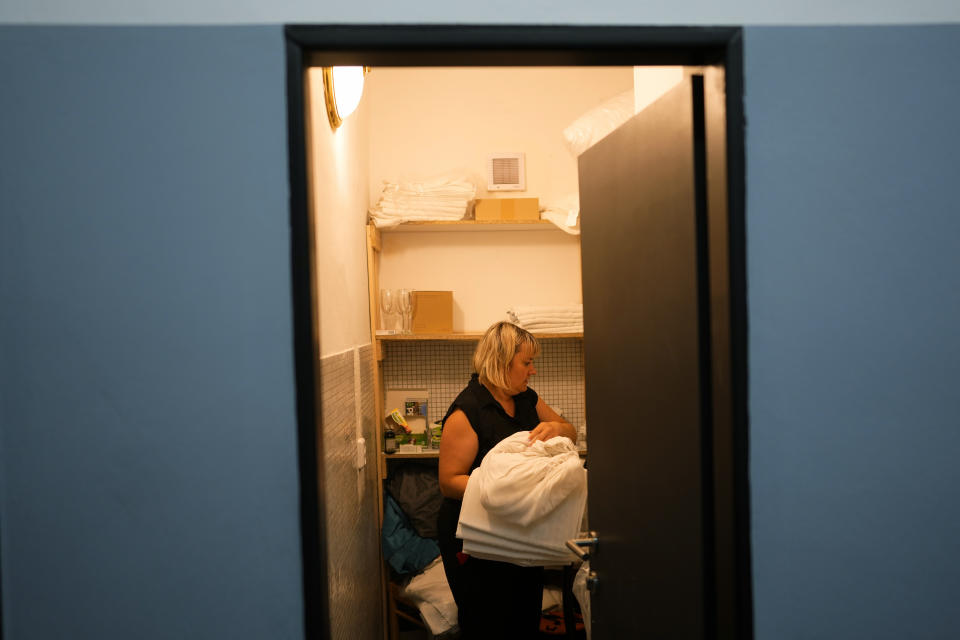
(586, 539)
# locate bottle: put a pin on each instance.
(389, 441)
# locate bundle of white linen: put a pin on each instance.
(524, 502)
(439, 199)
(558, 318)
(430, 592)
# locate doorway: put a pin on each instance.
(722, 568)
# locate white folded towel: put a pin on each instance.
(555, 328)
(442, 198)
(547, 319)
(529, 310)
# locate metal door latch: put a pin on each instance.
(586, 539)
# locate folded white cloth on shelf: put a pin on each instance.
(444, 198)
(525, 311)
(554, 328)
(550, 327)
(520, 506)
(557, 318)
(442, 185)
(453, 213)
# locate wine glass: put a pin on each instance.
(388, 303)
(405, 306)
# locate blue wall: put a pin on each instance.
(853, 226)
(147, 418)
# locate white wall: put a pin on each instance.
(692, 12)
(488, 272)
(649, 83)
(431, 121)
(338, 162)
(339, 180)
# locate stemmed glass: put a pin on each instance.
(405, 306)
(388, 304)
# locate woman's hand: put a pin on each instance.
(546, 430)
(551, 424)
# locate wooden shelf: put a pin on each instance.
(430, 453)
(471, 225)
(468, 335)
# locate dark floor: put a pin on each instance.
(410, 632)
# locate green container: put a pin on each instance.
(412, 438)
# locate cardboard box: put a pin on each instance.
(432, 312)
(507, 209)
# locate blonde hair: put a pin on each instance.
(497, 347)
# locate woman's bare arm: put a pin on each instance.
(458, 448)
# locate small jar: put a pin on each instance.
(389, 441)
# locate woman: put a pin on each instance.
(495, 599)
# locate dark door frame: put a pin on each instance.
(489, 45)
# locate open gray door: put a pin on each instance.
(649, 222)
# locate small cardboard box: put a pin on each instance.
(507, 209)
(432, 312)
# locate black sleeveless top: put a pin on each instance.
(489, 420)
(492, 424)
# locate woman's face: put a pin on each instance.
(521, 368)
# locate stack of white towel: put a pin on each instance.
(444, 198)
(524, 502)
(548, 319)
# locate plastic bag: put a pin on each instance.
(583, 594)
(597, 123)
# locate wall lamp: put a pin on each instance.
(342, 88)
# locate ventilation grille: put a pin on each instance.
(505, 172)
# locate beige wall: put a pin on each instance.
(649, 83)
(339, 186)
(428, 121)
(431, 121)
(420, 122)
(488, 272)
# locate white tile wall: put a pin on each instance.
(443, 367)
(353, 561)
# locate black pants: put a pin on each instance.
(495, 600)
(499, 600)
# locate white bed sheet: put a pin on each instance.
(429, 591)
